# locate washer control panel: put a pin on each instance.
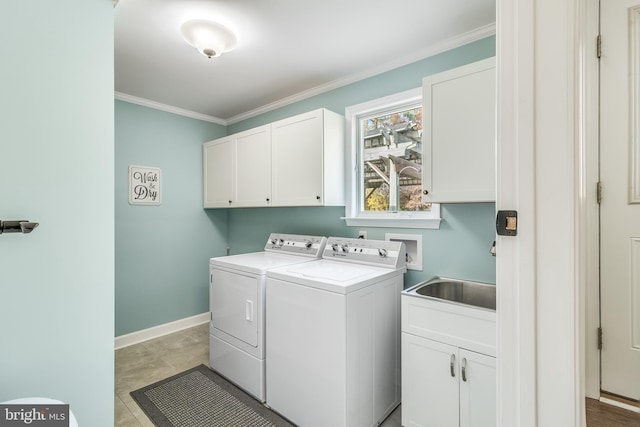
(381, 253)
(311, 246)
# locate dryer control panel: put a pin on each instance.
(311, 246)
(377, 253)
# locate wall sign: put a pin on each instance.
(144, 185)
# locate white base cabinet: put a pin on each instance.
(448, 364)
(459, 108)
(443, 385)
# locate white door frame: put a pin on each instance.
(588, 209)
(545, 155)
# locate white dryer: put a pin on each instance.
(333, 335)
(237, 304)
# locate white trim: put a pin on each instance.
(634, 105)
(539, 378)
(428, 223)
(587, 234)
(353, 216)
(619, 404)
(160, 330)
(168, 108)
(516, 257)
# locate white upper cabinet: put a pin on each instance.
(253, 167)
(298, 161)
(218, 168)
(308, 160)
(459, 134)
(237, 169)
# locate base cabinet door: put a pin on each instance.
(429, 383)
(443, 385)
(477, 389)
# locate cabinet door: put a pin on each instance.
(253, 167)
(459, 134)
(429, 382)
(477, 390)
(297, 153)
(218, 172)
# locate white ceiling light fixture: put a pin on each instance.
(209, 38)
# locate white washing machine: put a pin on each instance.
(237, 304)
(333, 335)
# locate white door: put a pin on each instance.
(297, 149)
(620, 207)
(218, 171)
(477, 389)
(430, 383)
(253, 167)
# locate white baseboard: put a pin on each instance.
(160, 330)
(619, 404)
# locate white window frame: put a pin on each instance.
(354, 216)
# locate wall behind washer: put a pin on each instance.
(459, 249)
(162, 252)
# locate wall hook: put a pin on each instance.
(17, 226)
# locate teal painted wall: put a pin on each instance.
(459, 249)
(162, 252)
(56, 140)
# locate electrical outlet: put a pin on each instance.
(362, 234)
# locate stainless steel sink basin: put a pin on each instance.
(474, 294)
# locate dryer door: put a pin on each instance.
(234, 305)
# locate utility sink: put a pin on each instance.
(475, 294)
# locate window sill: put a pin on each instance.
(428, 223)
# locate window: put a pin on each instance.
(385, 155)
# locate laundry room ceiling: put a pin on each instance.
(287, 49)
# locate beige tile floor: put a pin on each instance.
(145, 363)
(142, 364)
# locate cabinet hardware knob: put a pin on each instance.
(464, 369)
(452, 366)
(425, 192)
(317, 197)
(229, 201)
(267, 199)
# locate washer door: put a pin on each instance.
(234, 305)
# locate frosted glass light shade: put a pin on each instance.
(209, 38)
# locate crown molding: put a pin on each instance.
(168, 108)
(451, 43)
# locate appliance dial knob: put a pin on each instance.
(308, 244)
(334, 247)
(280, 242)
(345, 248)
(382, 252)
